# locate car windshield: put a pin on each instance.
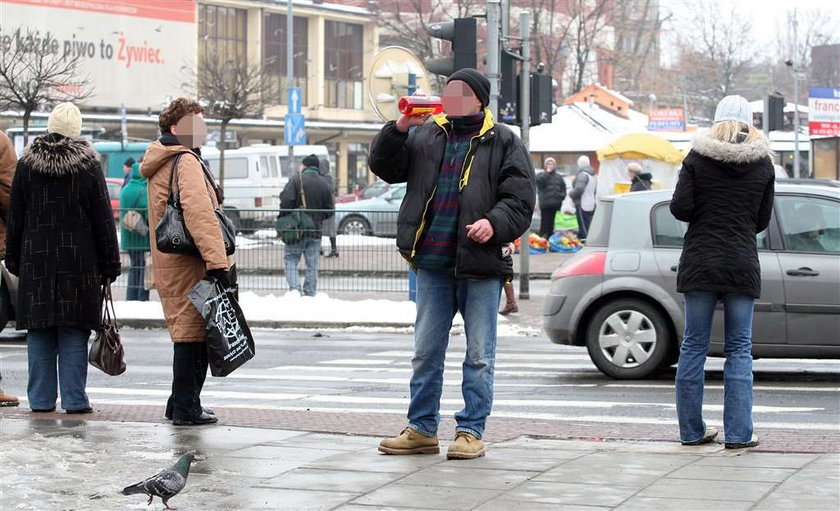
(374, 190)
(599, 231)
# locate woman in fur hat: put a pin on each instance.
(62, 242)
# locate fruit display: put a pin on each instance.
(564, 241)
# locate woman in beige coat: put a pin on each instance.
(183, 132)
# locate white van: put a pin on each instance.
(301, 152)
(254, 178)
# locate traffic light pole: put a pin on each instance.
(493, 7)
(525, 115)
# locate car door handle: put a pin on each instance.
(674, 268)
(803, 272)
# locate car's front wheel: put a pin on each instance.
(355, 225)
(628, 338)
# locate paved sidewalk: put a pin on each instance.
(73, 464)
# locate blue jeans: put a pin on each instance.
(439, 296)
(136, 277)
(737, 370)
(310, 248)
(68, 347)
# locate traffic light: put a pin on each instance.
(775, 112)
(508, 89)
(461, 32)
(541, 100)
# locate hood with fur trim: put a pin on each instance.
(738, 154)
(56, 155)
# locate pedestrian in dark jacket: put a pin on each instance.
(315, 195)
(551, 188)
(62, 244)
(725, 193)
(328, 226)
(134, 197)
(639, 181)
(470, 193)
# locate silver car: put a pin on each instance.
(617, 296)
(371, 217)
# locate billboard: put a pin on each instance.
(134, 52)
(666, 119)
(823, 112)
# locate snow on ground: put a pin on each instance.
(265, 237)
(321, 310)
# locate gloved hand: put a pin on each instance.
(222, 276)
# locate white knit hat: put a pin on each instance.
(734, 108)
(65, 119)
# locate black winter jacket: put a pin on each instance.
(497, 183)
(551, 188)
(319, 196)
(62, 237)
(725, 193)
(641, 182)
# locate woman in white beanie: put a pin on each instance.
(62, 243)
(725, 193)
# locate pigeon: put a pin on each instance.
(166, 483)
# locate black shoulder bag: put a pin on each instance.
(172, 236)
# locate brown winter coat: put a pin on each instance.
(174, 275)
(8, 162)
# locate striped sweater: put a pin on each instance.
(437, 247)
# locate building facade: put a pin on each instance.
(138, 55)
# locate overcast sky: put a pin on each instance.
(766, 15)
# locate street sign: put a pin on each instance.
(295, 96)
(666, 119)
(823, 111)
(295, 132)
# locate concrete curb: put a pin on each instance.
(300, 325)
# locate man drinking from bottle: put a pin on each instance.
(470, 192)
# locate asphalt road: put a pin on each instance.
(365, 372)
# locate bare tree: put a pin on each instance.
(405, 22)
(715, 54)
(34, 73)
(797, 35)
(231, 89)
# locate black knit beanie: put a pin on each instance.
(477, 82)
(311, 161)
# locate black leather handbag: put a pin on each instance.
(172, 236)
(106, 351)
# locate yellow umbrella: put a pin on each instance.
(640, 146)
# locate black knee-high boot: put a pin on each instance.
(189, 369)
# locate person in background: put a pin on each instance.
(62, 244)
(183, 132)
(551, 188)
(314, 194)
(127, 164)
(639, 181)
(510, 295)
(470, 193)
(724, 192)
(133, 197)
(8, 162)
(328, 225)
(583, 195)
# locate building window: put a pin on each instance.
(222, 31)
(343, 54)
(274, 52)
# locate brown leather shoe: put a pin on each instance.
(465, 447)
(8, 400)
(410, 442)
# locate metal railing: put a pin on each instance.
(367, 261)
